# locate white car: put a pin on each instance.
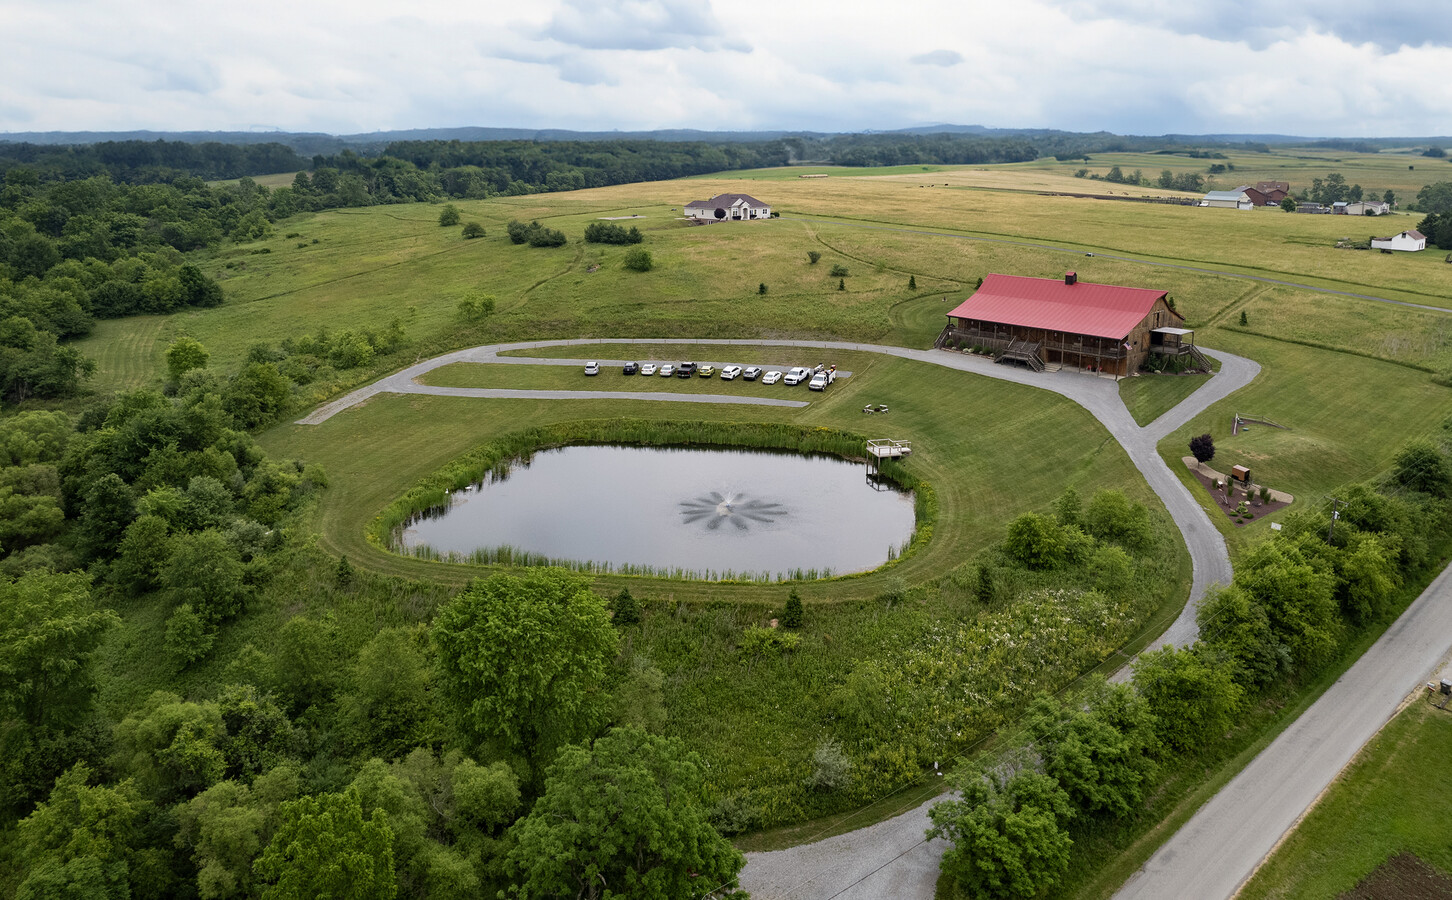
(592, 368)
(667, 370)
(648, 369)
(729, 373)
(796, 375)
(771, 377)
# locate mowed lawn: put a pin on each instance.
(990, 449)
(1393, 798)
(1148, 397)
(1347, 417)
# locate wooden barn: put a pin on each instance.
(1047, 323)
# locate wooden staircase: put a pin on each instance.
(1024, 352)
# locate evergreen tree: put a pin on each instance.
(792, 617)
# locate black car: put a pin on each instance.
(631, 368)
(685, 370)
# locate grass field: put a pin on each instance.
(981, 477)
(991, 450)
(1346, 416)
(370, 266)
(1150, 396)
(1393, 797)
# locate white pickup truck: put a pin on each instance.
(796, 375)
(821, 379)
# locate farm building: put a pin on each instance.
(727, 207)
(1367, 208)
(1236, 199)
(1266, 193)
(1045, 322)
(1411, 239)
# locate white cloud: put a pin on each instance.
(1134, 66)
(938, 58)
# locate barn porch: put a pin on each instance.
(1052, 350)
(1177, 342)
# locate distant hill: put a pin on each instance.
(314, 143)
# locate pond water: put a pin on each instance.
(701, 513)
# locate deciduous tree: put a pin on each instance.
(522, 658)
(1009, 839)
(623, 818)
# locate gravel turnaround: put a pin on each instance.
(893, 859)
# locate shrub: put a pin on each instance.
(831, 767)
(1243, 320)
(449, 215)
(1203, 448)
(841, 285)
(610, 233)
(534, 234)
(761, 289)
(639, 260)
(476, 306)
(185, 354)
(812, 257)
(1111, 517)
(792, 617)
(839, 271)
(626, 608)
(912, 282)
(474, 230)
(1035, 541)
(757, 641)
(1421, 466)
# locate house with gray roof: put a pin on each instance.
(726, 208)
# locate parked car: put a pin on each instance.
(667, 370)
(706, 371)
(592, 368)
(796, 375)
(648, 369)
(750, 373)
(771, 377)
(630, 368)
(729, 373)
(686, 370)
(820, 380)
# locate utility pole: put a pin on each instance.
(1336, 505)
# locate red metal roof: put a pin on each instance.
(1099, 310)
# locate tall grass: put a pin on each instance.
(493, 461)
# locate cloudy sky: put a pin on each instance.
(1333, 67)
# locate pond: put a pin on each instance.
(676, 512)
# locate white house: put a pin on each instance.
(726, 207)
(1228, 200)
(1411, 239)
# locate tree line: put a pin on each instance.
(1298, 600)
(149, 162)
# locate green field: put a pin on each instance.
(350, 268)
(1349, 377)
(981, 475)
(1393, 798)
(1150, 396)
